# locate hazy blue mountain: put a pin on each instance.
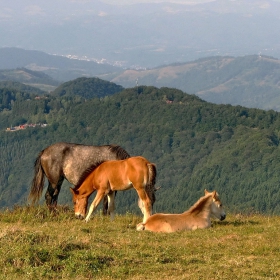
(59, 67)
(251, 81)
(145, 35)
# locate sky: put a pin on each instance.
(142, 35)
(187, 2)
(123, 2)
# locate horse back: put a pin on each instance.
(133, 170)
(72, 161)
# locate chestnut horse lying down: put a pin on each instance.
(198, 216)
(117, 175)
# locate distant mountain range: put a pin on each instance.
(144, 34)
(251, 81)
(58, 67)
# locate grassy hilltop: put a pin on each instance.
(38, 245)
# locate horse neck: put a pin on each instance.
(86, 187)
(202, 207)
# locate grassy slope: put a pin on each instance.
(38, 245)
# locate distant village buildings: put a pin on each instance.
(24, 126)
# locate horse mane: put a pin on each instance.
(200, 204)
(86, 173)
(118, 151)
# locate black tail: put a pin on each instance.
(38, 181)
(150, 187)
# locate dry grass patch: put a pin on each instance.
(38, 245)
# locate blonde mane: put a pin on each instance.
(201, 205)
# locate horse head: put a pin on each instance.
(80, 203)
(217, 209)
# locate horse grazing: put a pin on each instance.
(68, 161)
(117, 175)
(198, 216)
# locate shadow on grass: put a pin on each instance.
(235, 223)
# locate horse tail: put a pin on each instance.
(150, 186)
(38, 180)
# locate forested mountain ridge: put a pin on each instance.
(36, 79)
(87, 88)
(40, 103)
(251, 81)
(17, 86)
(195, 145)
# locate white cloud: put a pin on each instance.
(102, 14)
(33, 10)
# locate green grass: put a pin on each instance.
(35, 244)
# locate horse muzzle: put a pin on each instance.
(79, 216)
(223, 217)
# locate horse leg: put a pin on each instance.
(52, 193)
(94, 204)
(105, 206)
(111, 204)
(141, 205)
(105, 210)
(147, 211)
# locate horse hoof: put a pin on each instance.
(140, 227)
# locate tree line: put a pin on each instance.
(195, 145)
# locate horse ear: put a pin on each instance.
(214, 194)
(206, 192)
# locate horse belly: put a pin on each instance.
(116, 185)
(158, 223)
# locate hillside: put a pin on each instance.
(195, 145)
(21, 87)
(58, 67)
(25, 76)
(250, 81)
(87, 88)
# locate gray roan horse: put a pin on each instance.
(68, 161)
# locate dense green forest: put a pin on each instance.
(87, 88)
(195, 144)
